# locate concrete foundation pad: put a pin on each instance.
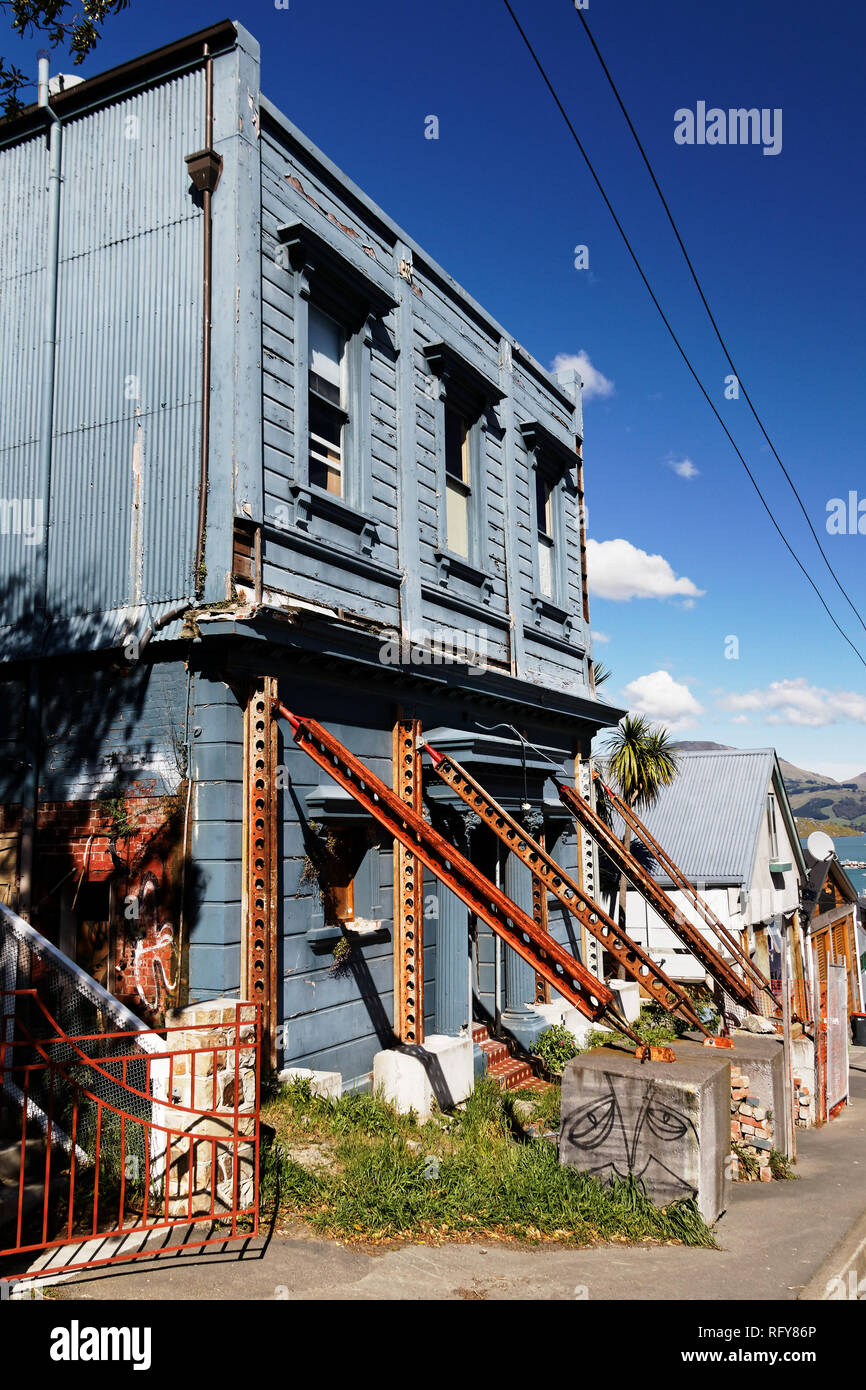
(441, 1073)
(564, 1013)
(667, 1123)
(328, 1084)
(628, 996)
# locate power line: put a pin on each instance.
(716, 328)
(673, 335)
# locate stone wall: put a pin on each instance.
(211, 1115)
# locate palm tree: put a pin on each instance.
(641, 761)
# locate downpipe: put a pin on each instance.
(43, 478)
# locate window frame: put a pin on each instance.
(471, 395)
(772, 827)
(355, 296)
(555, 463)
(336, 408)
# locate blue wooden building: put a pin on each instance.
(253, 440)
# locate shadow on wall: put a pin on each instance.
(111, 887)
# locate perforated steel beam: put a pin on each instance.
(572, 980)
(555, 880)
(259, 954)
(408, 893)
(681, 927)
(688, 890)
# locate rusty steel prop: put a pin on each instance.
(489, 903)
(687, 889)
(625, 952)
(408, 894)
(684, 930)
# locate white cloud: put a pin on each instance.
(659, 696)
(600, 638)
(798, 702)
(684, 468)
(618, 570)
(595, 383)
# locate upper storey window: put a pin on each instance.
(327, 403)
(553, 469)
(466, 401)
(458, 482)
(545, 497)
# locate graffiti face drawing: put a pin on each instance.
(625, 1133)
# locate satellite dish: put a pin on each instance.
(820, 847)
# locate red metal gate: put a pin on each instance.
(126, 1142)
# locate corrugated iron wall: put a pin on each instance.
(126, 421)
(24, 199)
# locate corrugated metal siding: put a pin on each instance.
(24, 199)
(708, 819)
(125, 462)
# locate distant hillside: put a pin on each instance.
(805, 826)
(819, 803)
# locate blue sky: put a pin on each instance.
(502, 198)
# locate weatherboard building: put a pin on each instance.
(269, 449)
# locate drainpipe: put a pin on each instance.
(205, 167)
(42, 491)
(49, 341)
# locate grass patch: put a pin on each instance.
(386, 1177)
(547, 1104)
(780, 1167)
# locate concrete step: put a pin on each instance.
(510, 1072)
(512, 1075)
(11, 1158)
(31, 1202)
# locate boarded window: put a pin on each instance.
(243, 550)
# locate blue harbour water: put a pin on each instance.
(853, 847)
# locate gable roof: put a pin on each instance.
(709, 819)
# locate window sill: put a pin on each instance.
(322, 940)
(451, 565)
(315, 501)
(544, 607)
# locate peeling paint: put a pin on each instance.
(254, 114)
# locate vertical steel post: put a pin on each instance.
(259, 949)
(408, 893)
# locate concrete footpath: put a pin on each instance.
(778, 1241)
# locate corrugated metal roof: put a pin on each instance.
(708, 819)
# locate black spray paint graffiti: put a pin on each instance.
(632, 1132)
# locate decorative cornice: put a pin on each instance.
(446, 363)
(311, 254)
(539, 440)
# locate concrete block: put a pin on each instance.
(628, 992)
(667, 1123)
(442, 1072)
(328, 1084)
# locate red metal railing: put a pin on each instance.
(131, 1141)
